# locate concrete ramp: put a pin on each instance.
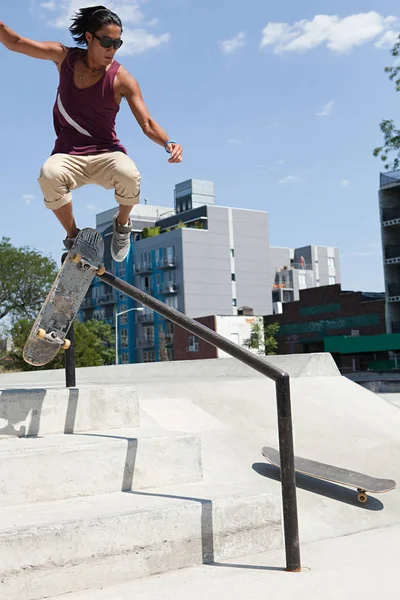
(183, 481)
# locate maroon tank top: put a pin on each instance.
(84, 120)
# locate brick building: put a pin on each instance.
(328, 311)
(237, 329)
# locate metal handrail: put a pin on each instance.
(282, 381)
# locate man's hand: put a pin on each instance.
(176, 152)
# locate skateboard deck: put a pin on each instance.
(362, 483)
(64, 299)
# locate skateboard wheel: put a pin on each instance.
(362, 497)
(66, 345)
(101, 270)
(75, 258)
(40, 334)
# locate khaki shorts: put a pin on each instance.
(62, 173)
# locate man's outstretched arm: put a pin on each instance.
(129, 89)
(44, 50)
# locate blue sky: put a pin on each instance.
(278, 103)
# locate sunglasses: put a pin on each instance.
(106, 42)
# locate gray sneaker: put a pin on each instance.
(121, 240)
(68, 242)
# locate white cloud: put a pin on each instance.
(338, 34)
(51, 5)
(388, 40)
(93, 207)
(136, 39)
(327, 109)
(289, 179)
(234, 141)
(28, 198)
(235, 43)
(345, 182)
(273, 125)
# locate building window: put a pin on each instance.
(233, 276)
(124, 338)
(332, 280)
(122, 268)
(124, 358)
(149, 356)
(99, 314)
(123, 319)
(331, 262)
(193, 344)
(234, 302)
(172, 301)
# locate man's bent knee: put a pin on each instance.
(127, 182)
(53, 183)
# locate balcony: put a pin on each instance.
(143, 267)
(390, 217)
(168, 262)
(105, 299)
(392, 254)
(145, 317)
(87, 302)
(302, 266)
(146, 341)
(394, 292)
(148, 289)
(167, 288)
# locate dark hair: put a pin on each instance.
(91, 19)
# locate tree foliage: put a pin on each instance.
(263, 339)
(94, 346)
(391, 135)
(26, 276)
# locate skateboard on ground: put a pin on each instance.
(362, 483)
(81, 264)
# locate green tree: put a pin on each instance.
(263, 339)
(151, 232)
(26, 276)
(270, 341)
(94, 346)
(391, 135)
(162, 352)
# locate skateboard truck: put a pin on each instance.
(53, 338)
(85, 265)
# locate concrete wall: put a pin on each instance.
(207, 267)
(253, 270)
(237, 330)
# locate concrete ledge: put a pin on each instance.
(297, 365)
(32, 412)
(67, 466)
(55, 548)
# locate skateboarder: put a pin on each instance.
(87, 150)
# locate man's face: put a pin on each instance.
(103, 56)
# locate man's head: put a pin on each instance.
(100, 30)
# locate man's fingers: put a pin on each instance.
(176, 154)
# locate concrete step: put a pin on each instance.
(332, 569)
(32, 412)
(72, 545)
(66, 466)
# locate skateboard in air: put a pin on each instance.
(362, 483)
(49, 333)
